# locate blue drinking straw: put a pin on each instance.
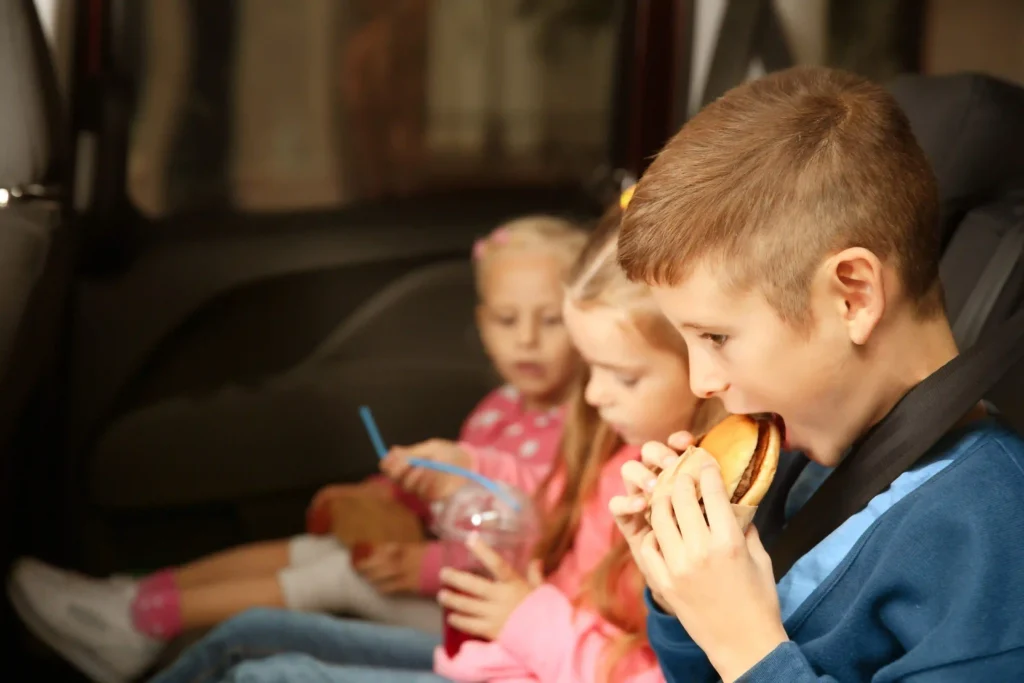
(371, 429)
(489, 484)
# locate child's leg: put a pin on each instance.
(301, 667)
(327, 584)
(259, 634)
(254, 559)
(118, 626)
(333, 585)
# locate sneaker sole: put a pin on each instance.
(84, 659)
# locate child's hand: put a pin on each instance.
(480, 606)
(715, 579)
(421, 482)
(629, 510)
(392, 567)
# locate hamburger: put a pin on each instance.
(746, 448)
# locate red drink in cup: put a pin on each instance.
(509, 530)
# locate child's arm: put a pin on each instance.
(560, 643)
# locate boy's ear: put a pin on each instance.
(857, 282)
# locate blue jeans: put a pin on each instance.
(265, 645)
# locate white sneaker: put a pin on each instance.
(43, 572)
(87, 621)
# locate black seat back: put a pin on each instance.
(971, 127)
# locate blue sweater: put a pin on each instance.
(930, 589)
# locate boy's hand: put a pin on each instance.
(421, 482)
(715, 579)
(480, 606)
(629, 510)
(392, 568)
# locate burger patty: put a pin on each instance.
(755, 462)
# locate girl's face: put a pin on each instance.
(520, 322)
(640, 390)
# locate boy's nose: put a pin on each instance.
(705, 384)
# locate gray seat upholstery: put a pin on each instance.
(410, 352)
(972, 128)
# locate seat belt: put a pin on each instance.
(989, 287)
(921, 418)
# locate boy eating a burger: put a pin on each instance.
(790, 231)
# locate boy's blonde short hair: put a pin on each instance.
(777, 174)
(558, 237)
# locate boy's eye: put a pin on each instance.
(552, 321)
(717, 340)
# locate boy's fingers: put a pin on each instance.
(757, 551)
(665, 527)
(637, 477)
(626, 506)
(681, 440)
(688, 514)
(655, 567)
(657, 456)
(716, 504)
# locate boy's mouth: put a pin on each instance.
(780, 424)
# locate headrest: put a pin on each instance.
(971, 127)
(29, 104)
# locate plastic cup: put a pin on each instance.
(510, 532)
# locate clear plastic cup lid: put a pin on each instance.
(475, 509)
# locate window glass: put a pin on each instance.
(264, 105)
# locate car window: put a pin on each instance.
(265, 106)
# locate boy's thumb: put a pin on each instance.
(535, 573)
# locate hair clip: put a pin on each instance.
(626, 196)
(499, 236)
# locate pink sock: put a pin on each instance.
(158, 582)
(156, 609)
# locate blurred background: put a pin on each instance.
(241, 219)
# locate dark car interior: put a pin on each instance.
(179, 380)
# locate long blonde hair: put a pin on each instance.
(614, 588)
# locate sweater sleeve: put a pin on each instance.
(684, 662)
(430, 569)
(680, 658)
(560, 643)
(785, 663)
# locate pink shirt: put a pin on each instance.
(498, 429)
(547, 639)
